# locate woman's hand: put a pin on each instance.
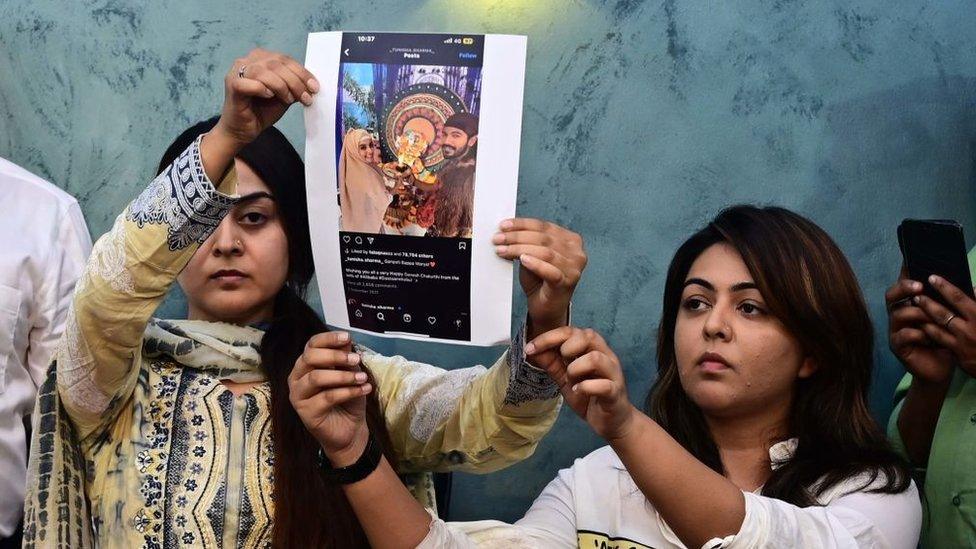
(328, 389)
(909, 330)
(258, 89)
(954, 330)
(551, 261)
(589, 377)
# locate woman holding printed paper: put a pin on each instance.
(757, 431)
(196, 432)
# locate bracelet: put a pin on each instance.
(362, 468)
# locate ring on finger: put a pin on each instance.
(240, 71)
(948, 320)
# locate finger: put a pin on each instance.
(525, 224)
(329, 340)
(311, 84)
(553, 364)
(546, 271)
(600, 388)
(246, 87)
(523, 237)
(962, 303)
(544, 253)
(907, 316)
(902, 290)
(936, 312)
(317, 380)
(295, 83)
(592, 365)
(312, 359)
(330, 398)
(549, 340)
(330, 359)
(907, 337)
(273, 81)
(939, 335)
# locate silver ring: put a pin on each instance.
(948, 320)
(240, 71)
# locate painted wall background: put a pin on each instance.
(642, 120)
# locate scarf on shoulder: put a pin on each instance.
(57, 510)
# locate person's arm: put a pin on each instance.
(328, 389)
(551, 259)
(855, 519)
(470, 419)
(62, 268)
(699, 504)
(916, 417)
(129, 272)
(479, 420)
(930, 368)
(132, 267)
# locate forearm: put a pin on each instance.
(390, 516)
(919, 417)
(536, 325)
(473, 419)
(698, 503)
(217, 152)
(130, 270)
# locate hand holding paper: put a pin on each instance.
(258, 89)
(551, 260)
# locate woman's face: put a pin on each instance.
(734, 358)
(235, 275)
(366, 149)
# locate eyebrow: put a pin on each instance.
(254, 196)
(737, 287)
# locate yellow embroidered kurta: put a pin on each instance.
(173, 458)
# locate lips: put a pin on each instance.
(713, 363)
(228, 274)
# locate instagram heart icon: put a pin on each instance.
(345, 239)
(433, 264)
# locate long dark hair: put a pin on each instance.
(809, 286)
(308, 511)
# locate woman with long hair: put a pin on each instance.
(755, 434)
(154, 433)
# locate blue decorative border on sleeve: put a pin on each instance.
(183, 199)
(526, 382)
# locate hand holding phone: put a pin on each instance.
(935, 247)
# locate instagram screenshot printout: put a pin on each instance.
(412, 150)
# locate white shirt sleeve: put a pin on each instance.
(856, 520)
(549, 523)
(62, 269)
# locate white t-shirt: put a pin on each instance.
(596, 504)
(44, 247)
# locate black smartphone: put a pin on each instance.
(935, 246)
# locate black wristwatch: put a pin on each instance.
(366, 464)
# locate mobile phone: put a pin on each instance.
(935, 246)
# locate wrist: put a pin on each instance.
(929, 390)
(348, 455)
(540, 323)
(630, 429)
(226, 140)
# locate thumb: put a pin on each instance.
(552, 362)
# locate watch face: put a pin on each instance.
(420, 109)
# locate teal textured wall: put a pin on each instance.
(642, 119)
